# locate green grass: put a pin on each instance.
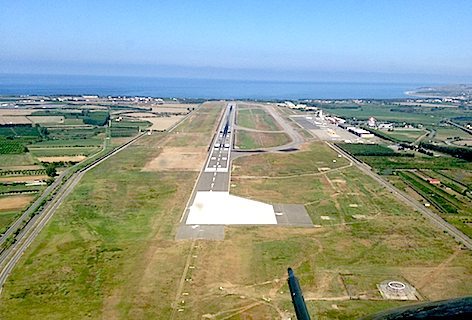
(74, 133)
(109, 250)
(463, 176)
(6, 218)
(406, 135)
(7, 160)
(454, 208)
(418, 162)
(19, 131)
(94, 241)
(359, 149)
(256, 119)
(390, 112)
(437, 197)
(124, 131)
(73, 121)
(318, 155)
(256, 140)
(448, 133)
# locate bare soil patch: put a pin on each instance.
(64, 158)
(162, 123)
(46, 119)
(14, 202)
(177, 158)
(15, 112)
(138, 114)
(24, 178)
(173, 107)
(14, 120)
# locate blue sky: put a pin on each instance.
(281, 40)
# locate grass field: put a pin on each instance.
(314, 157)
(392, 241)
(406, 135)
(360, 149)
(198, 127)
(6, 218)
(256, 119)
(255, 140)
(391, 112)
(109, 252)
(97, 238)
(7, 160)
(418, 162)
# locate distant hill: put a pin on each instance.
(459, 91)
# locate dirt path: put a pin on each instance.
(180, 288)
(430, 276)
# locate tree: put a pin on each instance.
(51, 170)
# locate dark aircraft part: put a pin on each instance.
(297, 296)
(225, 130)
(454, 309)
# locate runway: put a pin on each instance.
(211, 207)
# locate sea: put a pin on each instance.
(22, 84)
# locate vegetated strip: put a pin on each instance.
(31, 228)
(434, 195)
(436, 219)
(9, 237)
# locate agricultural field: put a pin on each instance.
(407, 135)
(255, 140)
(417, 162)
(449, 197)
(390, 112)
(360, 149)
(256, 118)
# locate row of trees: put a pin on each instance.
(458, 152)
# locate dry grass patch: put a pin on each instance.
(64, 159)
(162, 123)
(15, 112)
(24, 178)
(177, 158)
(14, 202)
(14, 120)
